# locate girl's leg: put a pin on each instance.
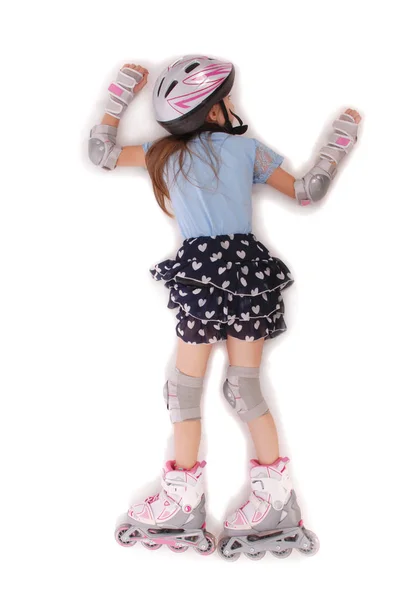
(191, 360)
(262, 429)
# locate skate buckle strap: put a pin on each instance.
(279, 489)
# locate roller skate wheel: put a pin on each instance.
(282, 553)
(252, 555)
(178, 548)
(149, 545)
(226, 553)
(313, 547)
(208, 545)
(120, 531)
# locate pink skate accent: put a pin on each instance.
(301, 523)
(144, 513)
(239, 519)
(115, 89)
(187, 508)
(258, 516)
(204, 525)
(167, 513)
(151, 499)
(170, 466)
(167, 503)
(167, 542)
(343, 141)
(284, 459)
(305, 202)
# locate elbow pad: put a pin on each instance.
(102, 148)
(314, 185)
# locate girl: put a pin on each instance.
(226, 286)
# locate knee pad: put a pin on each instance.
(242, 391)
(183, 395)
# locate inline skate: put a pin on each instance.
(175, 517)
(269, 521)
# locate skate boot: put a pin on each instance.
(270, 520)
(175, 517)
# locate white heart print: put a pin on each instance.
(191, 324)
(237, 327)
(249, 338)
(201, 302)
(202, 247)
(201, 332)
(182, 293)
(257, 324)
(222, 269)
(205, 279)
(215, 256)
(219, 300)
(245, 242)
(256, 309)
(245, 316)
(225, 284)
(197, 291)
(225, 244)
(280, 276)
(241, 253)
(245, 270)
(260, 275)
(255, 291)
(209, 314)
(243, 281)
(196, 265)
(187, 308)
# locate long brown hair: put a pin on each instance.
(161, 150)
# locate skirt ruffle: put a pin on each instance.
(225, 285)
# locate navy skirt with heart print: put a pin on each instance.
(225, 285)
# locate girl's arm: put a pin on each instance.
(314, 185)
(103, 148)
(282, 181)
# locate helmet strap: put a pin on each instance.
(239, 129)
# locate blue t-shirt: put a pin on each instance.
(205, 205)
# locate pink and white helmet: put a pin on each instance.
(185, 92)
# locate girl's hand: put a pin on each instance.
(354, 114)
(144, 72)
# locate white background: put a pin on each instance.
(87, 340)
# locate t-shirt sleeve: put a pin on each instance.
(266, 162)
(146, 146)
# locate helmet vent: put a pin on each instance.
(170, 88)
(191, 67)
(161, 83)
